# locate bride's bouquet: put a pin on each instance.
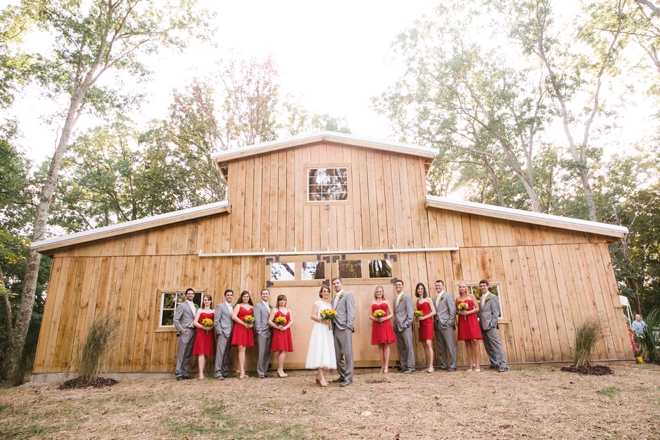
(207, 323)
(378, 313)
(328, 314)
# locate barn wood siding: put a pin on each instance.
(550, 278)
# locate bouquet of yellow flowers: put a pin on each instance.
(249, 319)
(463, 306)
(418, 313)
(378, 313)
(280, 320)
(328, 314)
(207, 323)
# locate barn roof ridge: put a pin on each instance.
(320, 136)
(131, 226)
(526, 216)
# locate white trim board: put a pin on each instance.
(328, 136)
(518, 215)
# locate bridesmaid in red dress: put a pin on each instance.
(381, 328)
(427, 308)
(242, 335)
(205, 339)
(282, 341)
(468, 325)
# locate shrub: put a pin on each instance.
(98, 341)
(586, 337)
(649, 340)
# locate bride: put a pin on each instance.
(321, 352)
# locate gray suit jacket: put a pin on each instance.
(222, 319)
(445, 311)
(490, 311)
(345, 309)
(183, 317)
(261, 314)
(403, 312)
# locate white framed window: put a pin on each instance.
(170, 301)
(327, 184)
(493, 288)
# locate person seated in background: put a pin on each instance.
(638, 325)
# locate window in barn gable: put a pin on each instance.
(327, 184)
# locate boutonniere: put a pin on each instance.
(401, 299)
(442, 297)
(341, 295)
(487, 298)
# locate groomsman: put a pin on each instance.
(185, 333)
(403, 317)
(261, 314)
(344, 305)
(488, 315)
(223, 328)
(444, 325)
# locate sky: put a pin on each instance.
(334, 54)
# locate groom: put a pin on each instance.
(344, 305)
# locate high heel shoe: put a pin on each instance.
(282, 375)
(430, 370)
(323, 383)
(318, 381)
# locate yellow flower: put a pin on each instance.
(341, 295)
(442, 297)
(487, 298)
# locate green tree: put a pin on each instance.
(465, 100)
(90, 39)
(574, 76)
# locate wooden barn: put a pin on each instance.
(300, 211)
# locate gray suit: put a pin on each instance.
(264, 334)
(183, 320)
(490, 310)
(223, 328)
(344, 305)
(443, 326)
(403, 318)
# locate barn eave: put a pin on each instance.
(613, 232)
(49, 246)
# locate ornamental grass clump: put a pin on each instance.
(586, 337)
(99, 339)
(650, 339)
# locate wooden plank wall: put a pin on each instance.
(550, 279)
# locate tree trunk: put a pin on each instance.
(7, 305)
(17, 340)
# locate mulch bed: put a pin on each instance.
(78, 382)
(596, 370)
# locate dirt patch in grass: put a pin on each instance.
(532, 402)
(595, 370)
(79, 382)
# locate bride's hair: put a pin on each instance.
(321, 291)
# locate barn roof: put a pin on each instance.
(321, 136)
(43, 246)
(536, 218)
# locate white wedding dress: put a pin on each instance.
(321, 351)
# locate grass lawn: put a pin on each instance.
(530, 402)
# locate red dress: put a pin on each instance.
(468, 326)
(282, 339)
(205, 339)
(241, 335)
(425, 326)
(381, 333)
